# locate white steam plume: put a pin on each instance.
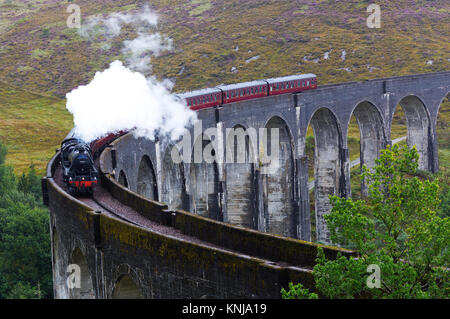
(138, 52)
(120, 98)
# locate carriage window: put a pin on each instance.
(242, 92)
(307, 83)
(287, 85)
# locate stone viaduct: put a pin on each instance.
(246, 211)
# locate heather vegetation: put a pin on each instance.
(39, 53)
(218, 41)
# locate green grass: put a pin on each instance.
(31, 126)
(40, 54)
(206, 33)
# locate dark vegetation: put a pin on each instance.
(401, 228)
(25, 255)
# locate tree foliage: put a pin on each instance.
(396, 228)
(25, 258)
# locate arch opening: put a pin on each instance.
(443, 133)
(123, 179)
(365, 140)
(85, 289)
(418, 128)
(326, 168)
(240, 186)
(173, 188)
(279, 181)
(126, 288)
(146, 180)
(204, 181)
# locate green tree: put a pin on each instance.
(297, 292)
(25, 255)
(30, 183)
(395, 228)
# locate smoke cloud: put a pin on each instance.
(121, 97)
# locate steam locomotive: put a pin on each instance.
(77, 161)
(79, 172)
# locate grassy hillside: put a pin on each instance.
(215, 41)
(31, 126)
(218, 41)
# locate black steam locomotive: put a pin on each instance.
(79, 172)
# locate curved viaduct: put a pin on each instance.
(128, 244)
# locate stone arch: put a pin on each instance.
(123, 179)
(419, 128)
(442, 129)
(126, 288)
(204, 180)
(86, 290)
(240, 172)
(327, 166)
(173, 188)
(146, 179)
(55, 249)
(446, 97)
(371, 131)
(278, 180)
(58, 279)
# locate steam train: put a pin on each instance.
(223, 94)
(77, 157)
(77, 162)
(79, 172)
